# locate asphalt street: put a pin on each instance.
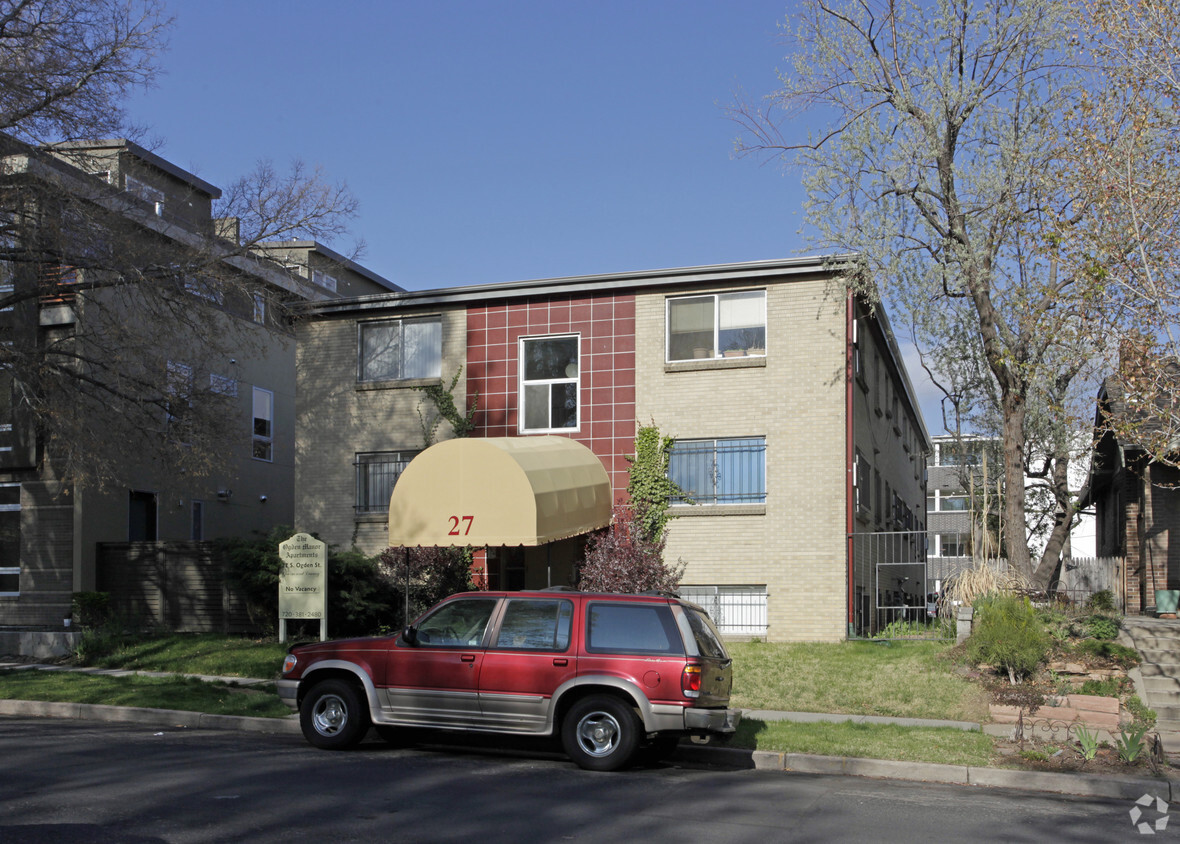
(88, 783)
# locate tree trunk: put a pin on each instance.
(1015, 540)
(1063, 521)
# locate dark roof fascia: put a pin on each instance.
(148, 157)
(681, 276)
(911, 394)
(335, 257)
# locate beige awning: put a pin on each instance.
(499, 491)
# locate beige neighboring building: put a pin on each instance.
(51, 532)
(795, 422)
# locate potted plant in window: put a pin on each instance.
(735, 350)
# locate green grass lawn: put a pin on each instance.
(901, 679)
(193, 653)
(867, 741)
(179, 693)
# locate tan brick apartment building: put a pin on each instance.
(51, 530)
(795, 421)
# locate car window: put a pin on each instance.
(457, 624)
(536, 625)
(705, 633)
(632, 629)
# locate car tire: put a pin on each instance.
(332, 716)
(601, 733)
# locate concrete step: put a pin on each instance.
(1156, 643)
(1161, 685)
(1160, 669)
(1165, 712)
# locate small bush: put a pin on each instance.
(1110, 687)
(1140, 712)
(1120, 655)
(91, 609)
(1102, 627)
(1009, 635)
(1102, 601)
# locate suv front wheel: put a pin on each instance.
(332, 717)
(600, 733)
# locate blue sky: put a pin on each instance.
(492, 142)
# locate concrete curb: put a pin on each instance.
(729, 757)
(1083, 785)
(149, 717)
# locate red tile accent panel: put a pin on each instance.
(606, 324)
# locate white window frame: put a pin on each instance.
(523, 385)
(142, 190)
(328, 282)
(263, 439)
(710, 448)
(716, 299)
(223, 385)
(363, 328)
(260, 308)
(9, 569)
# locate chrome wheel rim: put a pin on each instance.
(330, 715)
(598, 733)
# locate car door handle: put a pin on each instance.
(468, 657)
(560, 662)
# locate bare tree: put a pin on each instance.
(124, 311)
(944, 129)
(1124, 161)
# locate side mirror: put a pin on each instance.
(410, 635)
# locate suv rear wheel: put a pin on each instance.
(600, 733)
(332, 716)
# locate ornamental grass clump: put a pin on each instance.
(1009, 635)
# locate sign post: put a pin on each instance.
(303, 582)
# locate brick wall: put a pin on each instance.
(606, 328)
(795, 398)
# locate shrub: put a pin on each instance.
(1101, 601)
(1110, 687)
(1009, 635)
(1140, 712)
(1102, 627)
(621, 558)
(91, 609)
(1121, 655)
(362, 599)
(434, 574)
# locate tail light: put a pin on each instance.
(690, 681)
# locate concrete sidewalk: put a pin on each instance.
(1086, 785)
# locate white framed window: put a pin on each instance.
(376, 475)
(951, 545)
(862, 474)
(736, 610)
(550, 372)
(204, 288)
(264, 409)
(146, 192)
(716, 324)
(179, 389)
(324, 280)
(10, 540)
(939, 501)
(396, 349)
(721, 471)
(260, 308)
(223, 385)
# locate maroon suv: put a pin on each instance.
(616, 675)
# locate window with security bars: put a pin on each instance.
(376, 475)
(720, 471)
